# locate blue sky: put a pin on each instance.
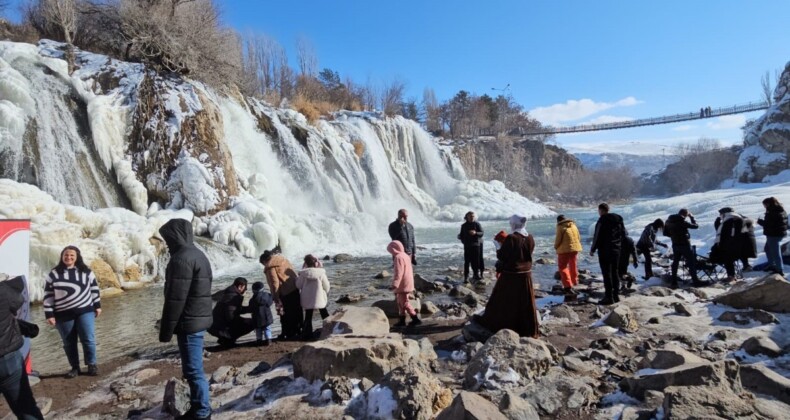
(627, 59)
(566, 61)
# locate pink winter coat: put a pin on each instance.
(403, 278)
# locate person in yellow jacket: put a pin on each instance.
(568, 244)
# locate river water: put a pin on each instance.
(127, 323)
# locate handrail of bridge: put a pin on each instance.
(667, 119)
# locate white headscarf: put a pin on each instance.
(518, 224)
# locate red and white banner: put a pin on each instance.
(15, 247)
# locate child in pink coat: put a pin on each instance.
(402, 283)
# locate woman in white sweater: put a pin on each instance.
(313, 286)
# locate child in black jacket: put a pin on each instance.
(262, 318)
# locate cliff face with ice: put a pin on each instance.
(767, 139)
(113, 150)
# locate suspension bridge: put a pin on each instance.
(667, 119)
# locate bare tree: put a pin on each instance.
(432, 111)
(306, 57)
(58, 17)
(392, 97)
(767, 88)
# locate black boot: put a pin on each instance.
(401, 322)
(73, 373)
(414, 321)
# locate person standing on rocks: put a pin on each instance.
(262, 318)
(14, 383)
(281, 276)
(729, 240)
(512, 302)
(774, 226)
(609, 234)
(402, 284)
(472, 237)
(72, 304)
(313, 285)
(647, 244)
(677, 228)
(568, 244)
(187, 309)
(228, 325)
(402, 231)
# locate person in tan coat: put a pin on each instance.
(568, 244)
(281, 276)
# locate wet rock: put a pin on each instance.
(358, 321)
(725, 334)
(270, 389)
(418, 394)
(761, 345)
(176, 399)
(723, 372)
(762, 380)
(565, 312)
(682, 309)
(558, 390)
(327, 258)
(507, 359)
(341, 389)
(545, 261)
(470, 406)
(390, 306)
(471, 300)
(654, 320)
(621, 317)
(516, 408)
(351, 298)
(428, 308)
(341, 258)
(460, 292)
(426, 286)
(746, 317)
(370, 358)
(658, 291)
(770, 293)
(382, 275)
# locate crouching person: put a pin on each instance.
(228, 325)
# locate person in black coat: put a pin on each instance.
(647, 244)
(472, 237)
(401, 230)
(14, 384)
(609, 233)
(187, 309)
(729, 240)
(627, 252)
(774, 226)
(228, 324)
(262, 317)
(677, 228)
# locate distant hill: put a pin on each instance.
(640, 164)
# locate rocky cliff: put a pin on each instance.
(767, 140)
(530, 167)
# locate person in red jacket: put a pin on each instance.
(402, 283)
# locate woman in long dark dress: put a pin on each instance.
(512, 302)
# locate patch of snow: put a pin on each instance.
(381, 403)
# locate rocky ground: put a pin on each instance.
(711, 352)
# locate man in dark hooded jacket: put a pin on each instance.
(228, 324)
(677, 228)
(187, 309)
(609, 233)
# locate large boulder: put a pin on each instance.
(419, 395)
(722, 372)
(390, 306)
(470, 406)
(357, 357)
(358, 321)
(426, 286)
(623, 318)
(507, 360)
(706, 402)
(761, 345)
(762, 380)
(672, 355)
(746, 317)
(558, 391)
(105, 276)
(176, 399)
(770, 293)
(517, 408)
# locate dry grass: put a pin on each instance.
(313, 110)
(359, 148)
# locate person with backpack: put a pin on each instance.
(774, 226)
(647, 244)
(609, 233)
(677, 228)
(729, 239)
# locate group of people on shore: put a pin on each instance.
(72, 300)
